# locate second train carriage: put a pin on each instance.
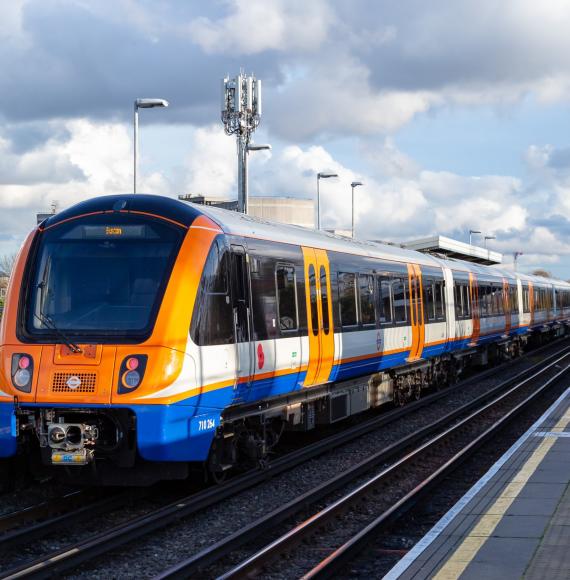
(143, 334)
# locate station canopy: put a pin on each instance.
(440, 245)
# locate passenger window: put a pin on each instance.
(466, 300)
(400, 304)
(325, 300)
(366, 292)
(439, 300)
(347, 299)
(212, 322)
(286, 298)
(313, 296)
(429, 302)
(384, 301)
(458, 299)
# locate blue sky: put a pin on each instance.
(454, 113)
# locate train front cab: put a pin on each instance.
(94, 391)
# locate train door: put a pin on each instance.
(319, 316)
(531, 302)
(416, 312)
(475, 312)
(242, 315)
(507, 297)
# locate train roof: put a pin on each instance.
(235, 223)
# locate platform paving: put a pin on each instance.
(514, 522)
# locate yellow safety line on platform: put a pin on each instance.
(485, 527)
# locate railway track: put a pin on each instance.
(78, 553)
(34, 522)
(343, 527)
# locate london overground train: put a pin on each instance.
(144, 336)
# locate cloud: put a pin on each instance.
(94, 159)
(329, 67)
(254, 26)
(211, 166)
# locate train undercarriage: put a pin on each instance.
(248, 434)
(103, 442)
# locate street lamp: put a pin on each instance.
(472, 232)
(353, 185)
(516, 255)
(245, 185)
(321, 175)
(142, 104)
(489, 238)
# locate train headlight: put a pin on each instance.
(22, 372)
(131, 373)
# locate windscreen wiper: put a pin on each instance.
(47, 321)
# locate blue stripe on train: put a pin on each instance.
(184, 431)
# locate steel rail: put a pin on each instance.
(350, 549)
(39, 529)
(76, 554)
(255, 563)
(222, 548)
(45, 508)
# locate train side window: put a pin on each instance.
(466, 301)
(286, 298)
(489, 300)
(496, 300)
(458, 299)
(439, 300)
(429, 300)
(212, 322)
(483, 300)
(400, 305)
(347, 299)
(366, 293)
(384, 300)
(313, 296)
(324, 299)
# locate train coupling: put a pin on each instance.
(67, 442)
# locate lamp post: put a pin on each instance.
(489, 238)
(353, 185)
(471, 232)
(142, 104)
(321, 175)
(244, 177)
(516, 255)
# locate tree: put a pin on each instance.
(7, 263)
(541, 272)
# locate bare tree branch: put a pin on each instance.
(7, 263)
(541, 272)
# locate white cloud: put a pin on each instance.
(96, 159)
(254, 26)
(211, 165)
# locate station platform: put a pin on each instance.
(514, 522)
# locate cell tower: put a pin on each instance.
(241, 113)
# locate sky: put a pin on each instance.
(455, 114)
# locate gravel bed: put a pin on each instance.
(32, 494)
(148, 556)
(386, 550)
(310, 553)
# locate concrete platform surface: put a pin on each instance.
(514, 522)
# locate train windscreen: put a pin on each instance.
(101, 276)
